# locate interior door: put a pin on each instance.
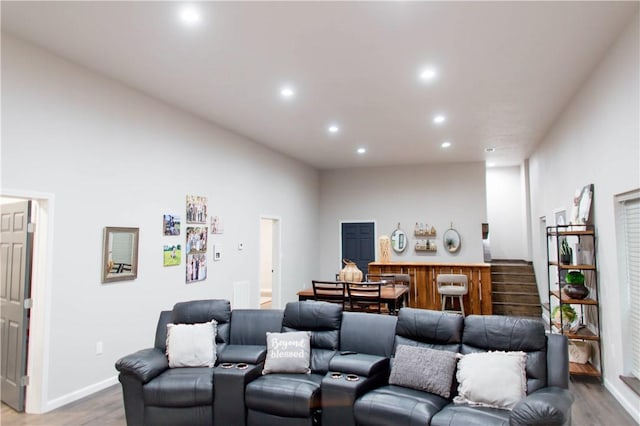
(15, 252)
(358, 244)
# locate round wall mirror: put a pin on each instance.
(398, 241)
(451, 240)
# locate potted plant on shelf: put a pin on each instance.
(574, 287)
(569, 315)
(566, 253)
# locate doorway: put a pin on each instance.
(16, 244)
(36, 347)
(269, 263)
(358, 244)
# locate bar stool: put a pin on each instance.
(450, 286)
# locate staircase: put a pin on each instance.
(514, 289)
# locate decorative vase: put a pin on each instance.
(350, 272)
(385, 249)
(576, 291)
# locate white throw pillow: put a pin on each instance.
(192, 345)
(492, 379)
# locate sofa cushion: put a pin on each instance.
(433, 329)
(191, 345)
(323, 320)
(424, 369)
(353, 339)
(288, 353)
(288, 395)
(492, 379)
(250, 326)
(397, 405)
(501, 333)
(466, 415)
(199, 311)
(180, 387)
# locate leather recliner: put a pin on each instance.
(295, 399)
(155, 394)
(548, 400)
(397, 405)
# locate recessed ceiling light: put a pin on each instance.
(361, 150)
(333, 128)
(491, 149)
(439, 119)
(190, 16)
(445, 144)
(491, 164)
(287, 92)
(428, 74)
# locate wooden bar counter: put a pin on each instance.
(423, 292)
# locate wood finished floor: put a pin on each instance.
(593, 406)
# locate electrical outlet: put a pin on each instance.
(99, 348)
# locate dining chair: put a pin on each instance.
(365, 296)
(329, 291)
(393, 280)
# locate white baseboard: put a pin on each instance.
(80, 393)
(633, 410)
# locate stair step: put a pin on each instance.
(514, 287)
(517, 310)
(512, 277)
(510, 268)
(515, 298)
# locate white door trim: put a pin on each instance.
(276, 283)
(41, 290)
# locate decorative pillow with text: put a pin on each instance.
(288, 352)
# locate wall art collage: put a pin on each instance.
(195, 238)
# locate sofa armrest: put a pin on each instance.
(144, 364)
(558, 361)
(250, 354)
(361, 364)
(547, 406)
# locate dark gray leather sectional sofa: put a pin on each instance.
(342, 343)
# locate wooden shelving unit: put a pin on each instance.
(588, 308)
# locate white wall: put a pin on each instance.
(111, 156)
(596, 140)
(437, 194)
(505, 213)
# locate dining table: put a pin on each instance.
(396, 296)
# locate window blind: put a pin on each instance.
(631, 220)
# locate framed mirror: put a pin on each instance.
(120, 254)
(451, 240)
(398, 240)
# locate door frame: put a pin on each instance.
(375, 238)
(276, 260)
(39, 321)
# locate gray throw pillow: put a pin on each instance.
(424, 369)
(288, 352)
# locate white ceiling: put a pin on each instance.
(505, 69)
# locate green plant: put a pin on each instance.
(569, 315)
(565, 250)
(574, 277)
